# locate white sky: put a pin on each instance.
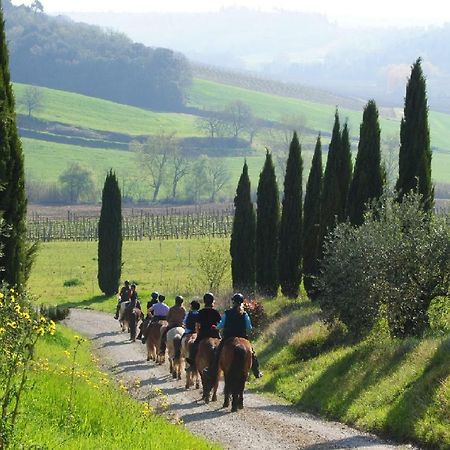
(401, 12)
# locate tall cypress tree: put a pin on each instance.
(311, 220)
(242, 245)
(414, 169)
(110, 237)
(13, 204)
(336, 181)
(290, 251)
(367, 182)
(267, 225)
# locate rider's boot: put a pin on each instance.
(116, 316)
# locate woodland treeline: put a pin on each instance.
(85, 59)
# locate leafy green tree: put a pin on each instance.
(291, 236)
(311, 221)
(414, 171)
(110, 237)
(242, 244)
(77, 182)
(367, 182)
(16, 252)
(392, 266)
(267, 229)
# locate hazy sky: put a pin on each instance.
(380, 11)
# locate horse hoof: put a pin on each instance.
(174, 376)
(148, 359)
(197, 385)
(241, 406)
(234, 409)
(225, 405)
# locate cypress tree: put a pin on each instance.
(242, 244)
(311, 220)
(17, 254)
(414, 170)
(267, 225)
(110, 237)
(367, 182)
(290, 251)
(336, 181)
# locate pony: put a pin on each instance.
(123, 317)
(235, 362)
(203, 359)
(153, 339)
(191, 375)
(174, 336)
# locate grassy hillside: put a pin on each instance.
(89, 112)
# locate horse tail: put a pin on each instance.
(236, 376)
(177, 347)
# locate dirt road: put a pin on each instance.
(263, 424)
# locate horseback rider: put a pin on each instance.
(159, 310)
(175, 318)
(206, 326)
(146, 321)
(191, 318)
(124, 296)
(235, 323)
(133, 311)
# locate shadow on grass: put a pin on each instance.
(418, 396)
(95, 300)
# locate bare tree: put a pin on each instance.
(153, 156)
(211, 125)
(218, 177)
(33, 99)
(238, 116)
(180, 167)
(37, 6)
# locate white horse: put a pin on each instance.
(174, 336)
(123, 318)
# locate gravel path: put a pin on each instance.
(263, 424)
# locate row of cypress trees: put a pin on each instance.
(268, 252)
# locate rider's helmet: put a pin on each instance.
(133, 286)
(208, 299)
(237, 299)
(155, 295)
(195, 305)
(179, 300)
(161, 297)
(126, 283)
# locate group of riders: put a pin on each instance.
(207, 322)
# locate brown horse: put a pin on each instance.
(235, 362)
(203, 360)
(191, 375)
(153, 337)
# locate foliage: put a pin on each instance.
(20, 329)
(415, 151)
(54, 312)
(255, 309)
(86, 59)
(72, 282)
(77, 183)
(110, 237)
(213, 264)
(367, 182)
(13, 203)
(392, 266)
(311, 220)
(291, 224)
(267, 230)
(242, 243)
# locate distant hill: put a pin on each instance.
(59, 53)
(301, 48)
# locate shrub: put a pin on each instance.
(55, 313)
(399, 259)
(72, 282)
(256, 312)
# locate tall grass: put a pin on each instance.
(100, 414)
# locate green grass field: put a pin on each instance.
(169, 267)
(89, 112)
(102, 415)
